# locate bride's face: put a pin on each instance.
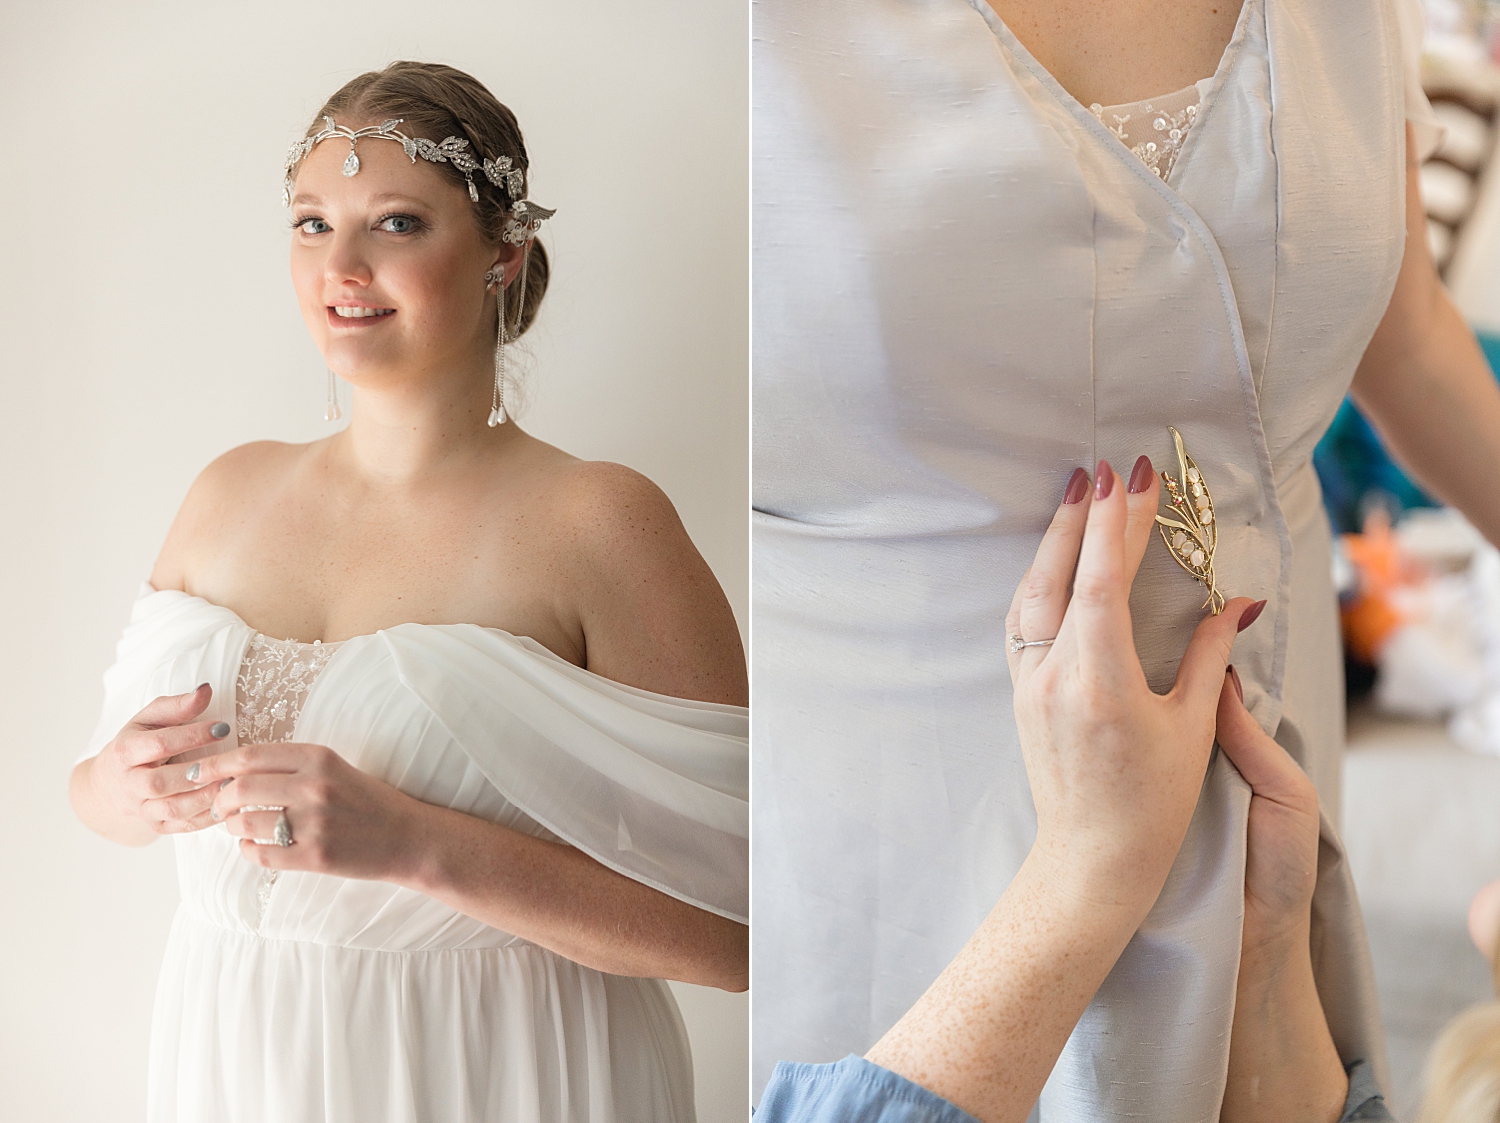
(389, 265)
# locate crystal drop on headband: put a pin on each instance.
(525, 216)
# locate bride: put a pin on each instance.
(448, 724)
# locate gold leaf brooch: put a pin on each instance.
(1193, 535)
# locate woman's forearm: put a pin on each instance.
(557, 896)
(988, 1031)
(1426, 386)
(1282, 1061)
(1436, 404)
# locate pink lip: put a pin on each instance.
(335, 320)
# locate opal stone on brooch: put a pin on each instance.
(1190, 531)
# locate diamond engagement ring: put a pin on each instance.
(281, 835)
(1017, 643)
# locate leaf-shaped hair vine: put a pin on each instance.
(454, 150)
(1193, 534)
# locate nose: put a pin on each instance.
(347, 263)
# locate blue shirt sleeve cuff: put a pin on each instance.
(1365, 1103)
(853, 1088)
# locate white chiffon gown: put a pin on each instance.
(308, 997)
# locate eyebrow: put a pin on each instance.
(384, 197)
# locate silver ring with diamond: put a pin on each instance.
(282, 833)
(1017, 643)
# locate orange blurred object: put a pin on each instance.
(1372, 614)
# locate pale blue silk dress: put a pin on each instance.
(964, 288)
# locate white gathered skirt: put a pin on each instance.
(254, 1030)
(319, 999)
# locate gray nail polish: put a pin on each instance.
(213, 813)
(226, 783)
(192, 773)
(219, 730)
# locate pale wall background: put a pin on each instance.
(147, 324)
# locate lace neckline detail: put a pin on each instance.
(272, 686)
(1155, 129)
(269, 693)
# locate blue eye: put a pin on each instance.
(312, 226)
(399, 224)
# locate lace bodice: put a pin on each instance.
(269, 691)
(1154, 129)
(273, 683)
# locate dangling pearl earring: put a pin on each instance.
(332, 412)
(496, 278)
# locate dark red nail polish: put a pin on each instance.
(1251, 615)
(1104, 480)
(1140, 475)
(1078, 486)
(1234, 677)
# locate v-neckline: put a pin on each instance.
(1084, 115)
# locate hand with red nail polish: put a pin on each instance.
(1115, 773)
(1114, 767)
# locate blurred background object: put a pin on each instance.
(1419, 593)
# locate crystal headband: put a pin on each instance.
(526, 217)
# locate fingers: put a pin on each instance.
(149, 747)
(281, 756)
(1042, 597)
(1100, 609)
(255, 825)
(1266, 766)
(185, 811)
(1142, 497)
(174, 709)
(1200, 677)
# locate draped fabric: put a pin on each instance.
(965, 287)
(355, 1000)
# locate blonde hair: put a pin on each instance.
(1463, 1069)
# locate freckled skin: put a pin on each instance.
(1124, 50)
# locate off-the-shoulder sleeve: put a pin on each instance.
(854, 1088)
(655, 788)
(1411, 22)
(173, 642)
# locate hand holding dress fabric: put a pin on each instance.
(147, 774)
(1115, 771)
(1283, 1063)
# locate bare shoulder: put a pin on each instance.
(223, 494)
(653, 613)
(612, 507)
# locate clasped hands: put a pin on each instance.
(162, 769)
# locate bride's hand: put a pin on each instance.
(141, 773)
(343, 821)
(1115, 769)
